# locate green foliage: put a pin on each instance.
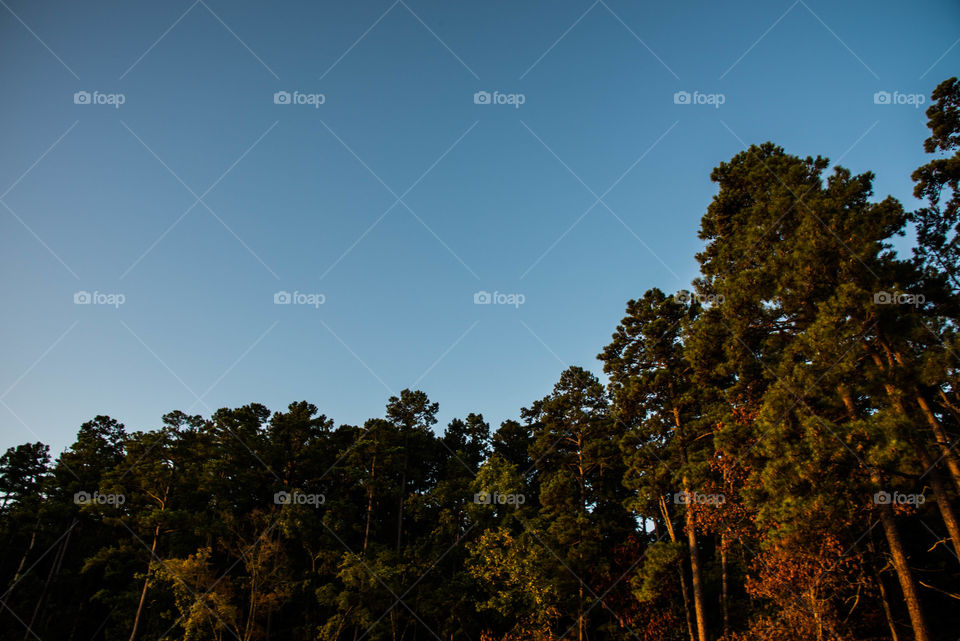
(726, 483)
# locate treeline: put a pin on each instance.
(773, 458)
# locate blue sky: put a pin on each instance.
(398, 198)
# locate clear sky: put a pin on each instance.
(183, 210)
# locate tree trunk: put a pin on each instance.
(248, 629)
(583, 502)
(43, 594)
(57, 566)
(26, 553)
(146, 584)
(696, 572)
(580, 612)
(884, 599)
(403, 495)
(900, 564)
(943, 501)
(373, 478)
(724, 603)
(680, 571)
(939, 490)
(888, 520)
(940, 436)
(686, 600)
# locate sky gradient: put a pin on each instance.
(396, 200)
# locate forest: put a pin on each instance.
(772, 457)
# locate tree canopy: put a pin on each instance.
(773, 457)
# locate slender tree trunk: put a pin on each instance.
(54, 571)
(900, 564)
(58, 566)
(580, 613)
(254, 589)
(724, 603)
(943, 501)
(884, 599)
(888, 521)
(403, 496)
(373, 477)
(43, 594)
(695, 571)
(680, 571)
(943, 443)
(939, 490)
(146, 584)
(699, 604)
(886, 609)
(686, 600)
(340, 625)
(939, 435)
(26, 553)
(946, 402)
(583, 503)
